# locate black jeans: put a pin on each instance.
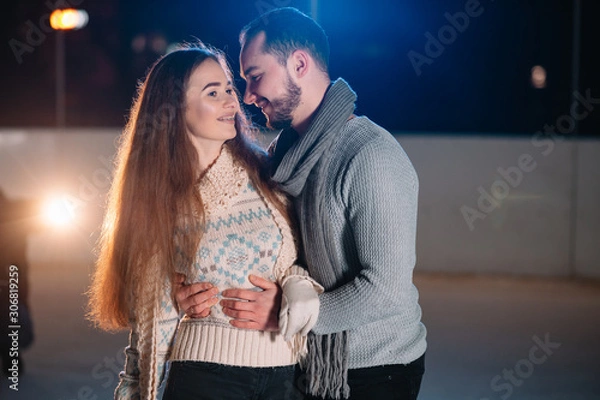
(387, 382)
(208, 381)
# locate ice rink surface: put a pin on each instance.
(489, 337)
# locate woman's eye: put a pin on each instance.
(229, 91)
(213, 93)
(255, 78)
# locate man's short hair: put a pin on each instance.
(287, 30)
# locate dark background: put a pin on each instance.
(480, 83)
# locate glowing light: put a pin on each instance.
(68, 19)
(538, 77)
(159, 44)
(58, 211)
(138, 43)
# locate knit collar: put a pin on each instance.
(302, 156)
(221, 182)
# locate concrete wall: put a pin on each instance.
(487, 204)
(507, 205)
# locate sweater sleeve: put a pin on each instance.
(165, 328)
(379, 192)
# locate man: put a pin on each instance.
(355, 194)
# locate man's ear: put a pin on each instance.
(300, 62)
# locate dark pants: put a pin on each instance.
(388, 382)
(207, 381)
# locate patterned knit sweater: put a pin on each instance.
(244, 234)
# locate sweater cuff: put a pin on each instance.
(295, 272)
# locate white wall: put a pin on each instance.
(532, 227)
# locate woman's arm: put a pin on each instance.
(163, 333)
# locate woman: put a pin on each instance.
(190, 197)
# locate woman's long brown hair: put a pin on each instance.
(155, 216)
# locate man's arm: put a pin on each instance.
(256, 310)
(380, 190)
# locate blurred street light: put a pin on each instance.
(68, 19)
(63, 20)
(58, 212)
(538, 77)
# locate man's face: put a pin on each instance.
(269, 85)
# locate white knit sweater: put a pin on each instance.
(244, 234)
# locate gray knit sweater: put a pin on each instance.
(355, 192)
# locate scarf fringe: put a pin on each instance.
(326, 365)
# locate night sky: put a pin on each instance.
(475, 79)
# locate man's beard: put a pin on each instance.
(284, 107)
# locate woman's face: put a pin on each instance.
(210, 108)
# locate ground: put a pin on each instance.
(489, 337)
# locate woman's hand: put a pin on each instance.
(195, 299)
